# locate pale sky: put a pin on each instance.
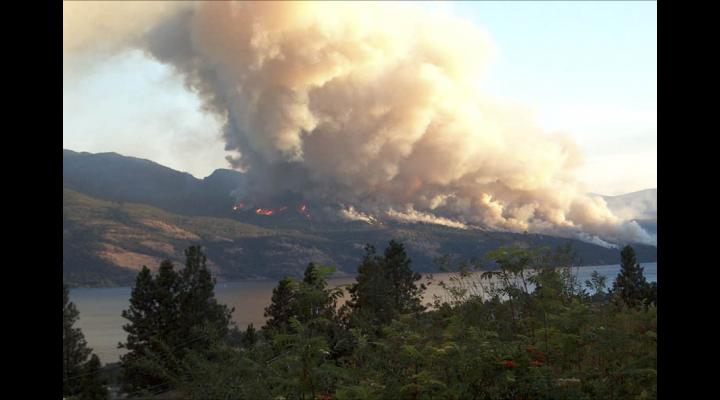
(588, 69)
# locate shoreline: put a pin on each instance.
(339, 276)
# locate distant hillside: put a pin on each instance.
(640, 206)
(106, 242)
(110, 176)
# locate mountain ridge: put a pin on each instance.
(105, 240)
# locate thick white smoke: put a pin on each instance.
(375, 105)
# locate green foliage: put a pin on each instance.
(169, 315)
(308, 302)
(81, 377)
(630, 285)
(528, 330)
(92, 384)
(597, 285)
(249, 337)
(281, 307)
(385, 288)
(196, 298)
(297, 353)
(75, 350)
(305, 301)
(650, 296)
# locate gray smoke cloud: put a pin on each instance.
(373, 106)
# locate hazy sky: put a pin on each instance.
(586, 68)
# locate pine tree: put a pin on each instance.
(407, 296)
(141, 330)
(368, 303)
(170, 315)
(92, 384)
(385, 287)
(249, 337)
(198, 308)
(281, 307)
(630, 284)
(313, 276)
(166, 289)
(313, 299)
(651, 294)
(75, 350)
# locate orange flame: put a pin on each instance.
(303, 209)
(264, 211)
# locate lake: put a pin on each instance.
(100, 308)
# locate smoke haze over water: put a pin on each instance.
(374, 106)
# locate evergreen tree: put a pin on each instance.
(368, 303)
(385, 287)
(75, 350)
(92, 384)
(198, 308)
(630, 284)
(170, 315)
(166, 290)
(306, 300)
(553, 342)
(281, 307)
(406, 295)
(249, 337)
(141, 330)
(313, 276)
(313, 299)
(651, 294)
(316, 308)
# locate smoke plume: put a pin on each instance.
(374, 106)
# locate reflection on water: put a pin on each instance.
(101, 308)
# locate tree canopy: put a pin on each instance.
(385, 288)
(169, 315)
(81, 376)
(631, 285)
(526, 329)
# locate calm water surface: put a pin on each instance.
(101, 308)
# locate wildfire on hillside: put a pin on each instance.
(301, 208)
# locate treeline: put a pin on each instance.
(81, 369)
(526, 329)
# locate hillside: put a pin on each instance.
(111, 176)
(640, 206)
(106, 242)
